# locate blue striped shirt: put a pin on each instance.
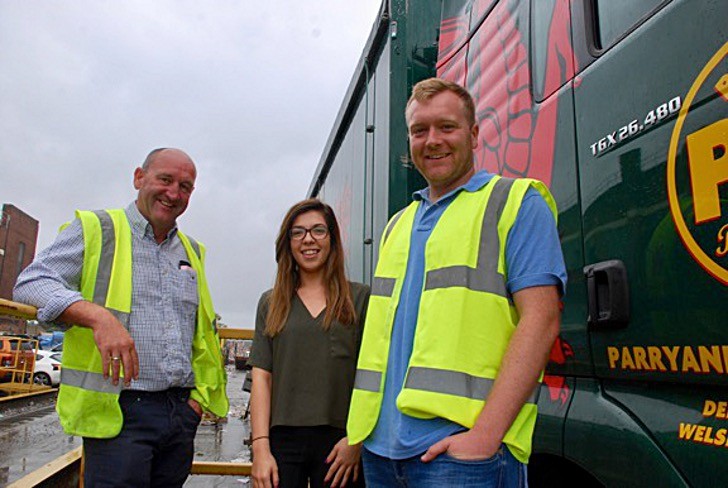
(164, 297)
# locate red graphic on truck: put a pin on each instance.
(559, 391)
(517, 133)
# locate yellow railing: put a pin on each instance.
(230, 333)
(64, 471)
(17, 364)
(15, 309)
(72, 461)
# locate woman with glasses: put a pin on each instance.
(307, 336)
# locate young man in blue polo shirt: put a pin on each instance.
(464, 311)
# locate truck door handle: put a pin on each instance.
(608, 294)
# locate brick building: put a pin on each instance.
(18, 236)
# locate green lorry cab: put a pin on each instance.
(621, 108)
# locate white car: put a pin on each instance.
(47, 368)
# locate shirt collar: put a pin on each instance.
(475, 183)
(140, 226)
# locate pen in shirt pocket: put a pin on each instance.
(184, 265)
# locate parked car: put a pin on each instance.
(50, 340)
(17, 354)
(47, 369)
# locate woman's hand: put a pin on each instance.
(344, 460)
(265, 468)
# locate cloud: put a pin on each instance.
(249, 89)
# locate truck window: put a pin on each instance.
(541, 12)
(613, 19)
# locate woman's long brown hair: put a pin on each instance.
(339, 304)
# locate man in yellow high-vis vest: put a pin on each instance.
(463, 311)
(141, 358)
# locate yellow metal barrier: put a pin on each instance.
(15, 309)
(66, 470)
(224, 469)
(231, 333)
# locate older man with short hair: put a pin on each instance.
(141, 357)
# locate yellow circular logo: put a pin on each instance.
(697, 167)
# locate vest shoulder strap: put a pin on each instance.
(195, 246)
(107, 248)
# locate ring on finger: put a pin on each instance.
(116, 358)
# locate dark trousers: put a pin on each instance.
(301, 452)
(154, 448)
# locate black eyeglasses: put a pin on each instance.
(319, 231)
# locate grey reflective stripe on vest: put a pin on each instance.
(484, 277)
(454, 383)
(392, 223)
(122, 317)
(106, 260)
(195, 246)
(88, 381)
(368, 380)
(383, 287)
(472, 279)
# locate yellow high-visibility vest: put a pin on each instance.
(88, 405)
(465, 319)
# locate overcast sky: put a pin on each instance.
(248, 89)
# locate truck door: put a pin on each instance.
(651, 102)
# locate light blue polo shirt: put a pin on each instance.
(533, 257)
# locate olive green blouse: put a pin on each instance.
(312, 369)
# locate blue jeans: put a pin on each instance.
(500, 471)
(154, 448)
